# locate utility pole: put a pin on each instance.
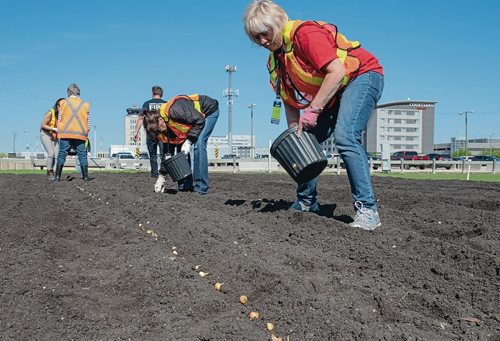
(491, 149)
(252, 154)
(229, 94)
(14, 141)
(466, 138)
(95, 142)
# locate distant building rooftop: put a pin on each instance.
(411, 103)
(134, 111)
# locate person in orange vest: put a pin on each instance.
(48, 137)
(334, 82)
(182, 122)
(73, 131)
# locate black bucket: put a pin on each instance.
(301, 156)
(177, 166)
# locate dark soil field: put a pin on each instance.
(112, 260)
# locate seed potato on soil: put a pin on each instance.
(95, 261)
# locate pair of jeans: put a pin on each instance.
(78, 145)
(200, 157)
(153, 145)
(346, 120)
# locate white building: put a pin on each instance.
(130, 122)
(401, 125)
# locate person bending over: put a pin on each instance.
(334, 81)
(185, 121)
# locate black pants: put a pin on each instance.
(153, 145)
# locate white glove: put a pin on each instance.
(186, 147)
(160, 184)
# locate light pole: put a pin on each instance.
(491, 149)
(95, 142)
(252, 154)
(229, 94)
(466, 138)
(27, 134)
(14, 141)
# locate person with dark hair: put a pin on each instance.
(334, 81)
(151, 141)
(48, 136)
(73, 131)
(182, 122)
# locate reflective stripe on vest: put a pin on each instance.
(69, 130)
(298, 86)
(180, 130)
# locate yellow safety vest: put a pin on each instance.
(297, 86)
(180, 130)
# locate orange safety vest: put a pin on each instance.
(53, 124)
(297, 87)
(73, 119)
(180, 130)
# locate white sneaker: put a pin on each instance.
(365, 218)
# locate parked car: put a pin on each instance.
(125, 161)
(461, 158)
(484, 158)
(404, 154)
(143, 156)
(440, 157)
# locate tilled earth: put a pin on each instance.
(112, 260)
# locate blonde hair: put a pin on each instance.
(262, 16)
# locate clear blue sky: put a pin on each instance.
(443, 51)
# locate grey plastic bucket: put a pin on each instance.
(177, 166)
(301, 156)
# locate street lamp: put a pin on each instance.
(466, 139)
(14, 138)
(252, 154)
(95, 142)
(229, 94)
(491, 149)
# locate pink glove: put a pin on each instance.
(308, 119)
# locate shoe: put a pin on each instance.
(365, 218)
(51, 175)
(185, 189)
(300, 207)
(59, 169)
(85, 173)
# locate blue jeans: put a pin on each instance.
(153, 145)
(78, 145)
(200, 157)
(346, 120)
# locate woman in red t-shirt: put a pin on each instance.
(335, 82)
